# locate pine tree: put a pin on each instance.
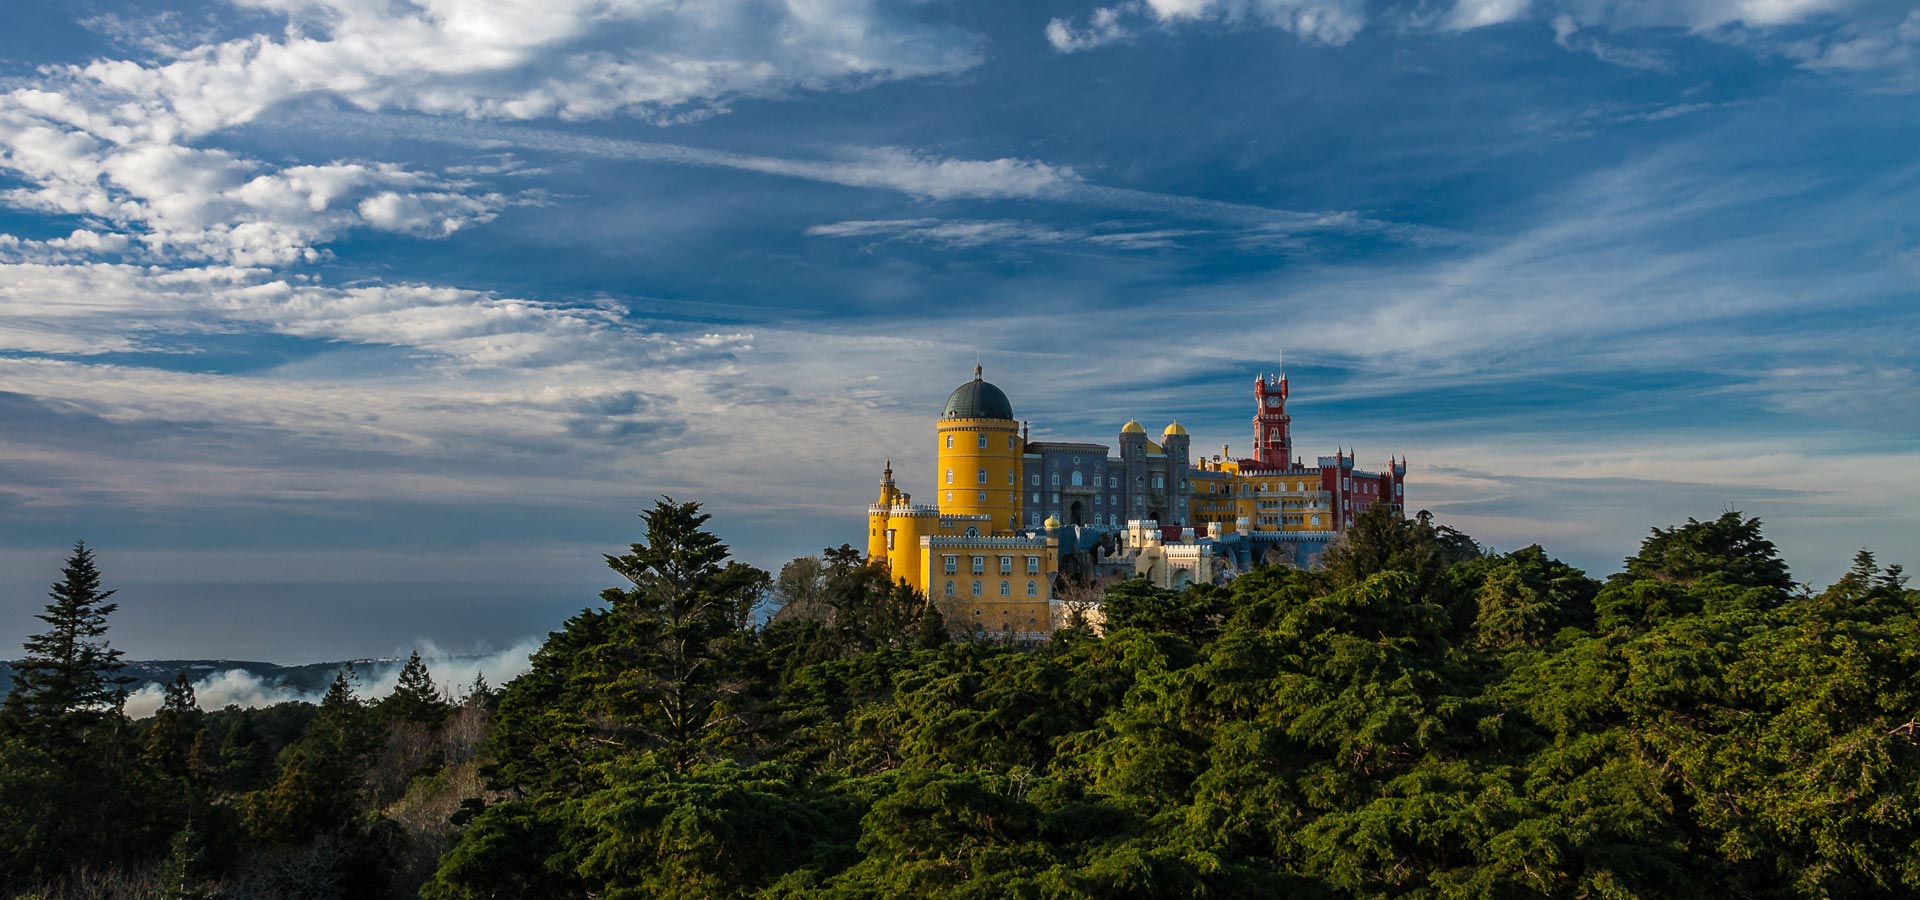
(181, 873)
(480, 693)
(415, 698)
(70, 678)
(170, 738)
(180, 697)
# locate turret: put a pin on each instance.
(1272, 427)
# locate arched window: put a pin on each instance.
(949, 587)
(983, 442)
(1077, 480)
(973, 532)
(949, 442)
(1033, 588)
(949, 476)
(982, 479)
(1006, 588)
(1055, 479)
(976, 588)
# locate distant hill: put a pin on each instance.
(308, 678)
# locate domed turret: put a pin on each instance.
(1133, 426)
(977, 399)
(1173, 429)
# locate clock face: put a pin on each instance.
(1273, 402)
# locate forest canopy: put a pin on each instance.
(1415, 718)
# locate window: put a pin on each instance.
(1113, 499)
(1036, 516)
(981, 477)
(1013, 521)
(1036, 481)
(1077, 480)
(952, 563)
(983, 441)
(1054, 479)
(1113, 519)
(1159, 481)
(949, 476)
(983, 496)
(890, 539)
(1010, 478)
(1183, 484)
(1316, 521)
(1036, 499)
(1006, 565)
(979, 564)
(949, 587)
(949, 496)
(949, 442)
(976, 592)
(972, 531)
(1056, 499)
(1096, 499)
(1033, 565)
(1113, 481)
(1273, 434)
(1346, 484)
(1006, 588)
(1033, 588)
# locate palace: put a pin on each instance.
(1012, 516)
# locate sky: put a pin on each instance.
(336, 326)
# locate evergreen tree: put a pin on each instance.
(182, 875)
(682, 618)
(70, 679)
(1730, 548)
(170, 738)
(415, 699)
(245, 759)
(480, 693)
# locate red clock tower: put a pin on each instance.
(1272, 432)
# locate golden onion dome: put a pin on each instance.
(1132, 427)
(1175, 428)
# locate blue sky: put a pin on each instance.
(337, 324)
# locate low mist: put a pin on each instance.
(454, 673)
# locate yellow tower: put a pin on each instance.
(890, 496)
(980, 454)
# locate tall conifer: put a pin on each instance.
(70, 678)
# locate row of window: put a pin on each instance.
(1006, 588)
(1006, 565)
(1013, 443)
(981, 477)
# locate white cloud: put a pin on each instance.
(1567, 33)
(964, 233)
(1104, 26)
(1875, 36)
(1333, 22)
(121, 140)
(1468, 14)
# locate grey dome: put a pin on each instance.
(977, 399)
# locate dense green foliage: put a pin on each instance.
(1415, 718)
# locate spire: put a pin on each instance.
(976, 372)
